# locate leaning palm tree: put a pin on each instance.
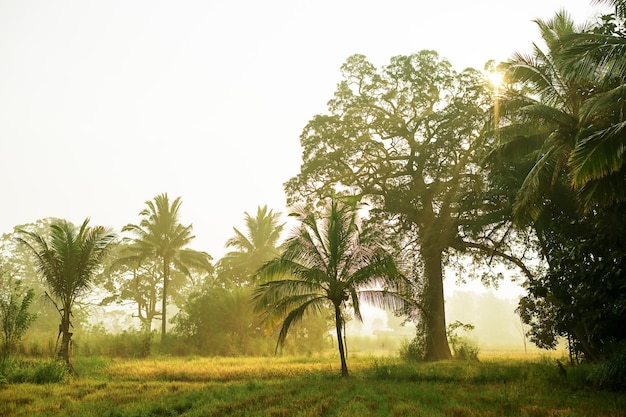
(68, 260)
(160, 235)
(327, 264)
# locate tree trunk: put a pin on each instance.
(166, 278)
(66, 336)
(434, 314)
(342, 353)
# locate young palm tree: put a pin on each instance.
(160, 235)
(253, 248)
(326, 264)
(68, 260)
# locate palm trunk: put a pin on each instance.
(66, 336)
(342, 353)
(437, 347)
(166, 279)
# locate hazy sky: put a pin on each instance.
(105, 104)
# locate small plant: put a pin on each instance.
(462, 347)
(15, 319)
(412, 350)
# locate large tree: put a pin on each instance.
(327, 264)
(160, 235)
(68, 260)
(406, 139)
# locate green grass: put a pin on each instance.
(312, 387)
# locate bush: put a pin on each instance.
(462, 347)
(128, 344)
(412, 350)
(34, 372)
(612, 374)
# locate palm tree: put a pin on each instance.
(254, 248)
(545, 119)
(160, 235)
(327, 264)
(68, 260)
(598, 170)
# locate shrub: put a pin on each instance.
(462, 347)
(413, 350)
(34, 372)
(611, 375)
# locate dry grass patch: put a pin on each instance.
(223, 369)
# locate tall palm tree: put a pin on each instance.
(598, 170)
(544, 121)
(160, 235)
(254, 248)
(68, 260)
(326, 264)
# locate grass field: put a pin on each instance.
(495, 386)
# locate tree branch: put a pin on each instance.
(493, 251)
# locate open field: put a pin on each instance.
(312, 387)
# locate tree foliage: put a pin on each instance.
(571, 192)
(252, 247)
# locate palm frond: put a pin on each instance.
(529, 200)
(604, 104)
(550, 115)
(596, 56)
(284, 293)
(598, 155)
(295, 316)
(603, 192)
(387, 300)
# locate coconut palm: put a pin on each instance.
(327, 264)
(254, 248)
(598, 171)
(544, 121)
(68, 260)
(160, 235)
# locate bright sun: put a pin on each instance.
(495, 79)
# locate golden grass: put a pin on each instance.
(224, 369)
(193, 387)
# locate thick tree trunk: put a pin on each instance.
(342, 353)
(434, 314)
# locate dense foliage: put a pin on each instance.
(562, 138)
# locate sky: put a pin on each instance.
(105, 104)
